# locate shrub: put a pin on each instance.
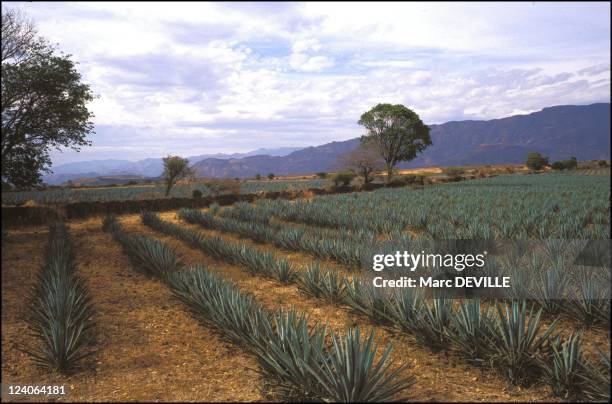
(196, 194)
(535, 161)
(322, 175)
(558, 165)
(569, 164)
(257, 176)
(343, 178)
(270, 176)
(454, 173)
(602, 163)
(132, 182)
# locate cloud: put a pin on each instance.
(231, 77)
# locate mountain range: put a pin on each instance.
(150, 167)
(557, 132)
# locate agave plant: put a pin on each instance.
(325, 284)
(111, 224)
(150, 256)
(515, 341)
(404, 308)
(551, 286)
(431, 323)
(364, 298)
(563, 365)
(60, 308)
(590, 304)
(351, 373)
(596, 379)
(284, 272)
(470, 330)
(288, 350)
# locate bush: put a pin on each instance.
(602, 163)
(131, 182)
(196, 194)
(257, 176)
(322, 175)
(270, 176)
(343, 178)
(565, 164)
(454, 171)
(536, 161)
(407, 179)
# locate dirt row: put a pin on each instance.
(440, 377)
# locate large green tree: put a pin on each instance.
(397, 131)
(44, 102)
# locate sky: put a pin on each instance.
(200, 78)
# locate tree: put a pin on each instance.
(175, 168)
(536, 161)
(569, 164)
(257, 176)
(397, 131)
(363, 161)
(44, 103)
(270, 176)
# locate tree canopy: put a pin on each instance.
(44, 102)
(397, 131)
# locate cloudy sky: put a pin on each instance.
(197, 78)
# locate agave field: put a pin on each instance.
(124, 193)
(279, 284)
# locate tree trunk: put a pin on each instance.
(389, 172)
(168, 187)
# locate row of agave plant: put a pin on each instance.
(521, 207)
(300, 360)
(511, 337)
(61, 312)
(588, 303)
(294, 238)
(508, 336)
(254, 260)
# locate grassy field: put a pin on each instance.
(263, 301)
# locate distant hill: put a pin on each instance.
(150, 167)
(558, 132)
